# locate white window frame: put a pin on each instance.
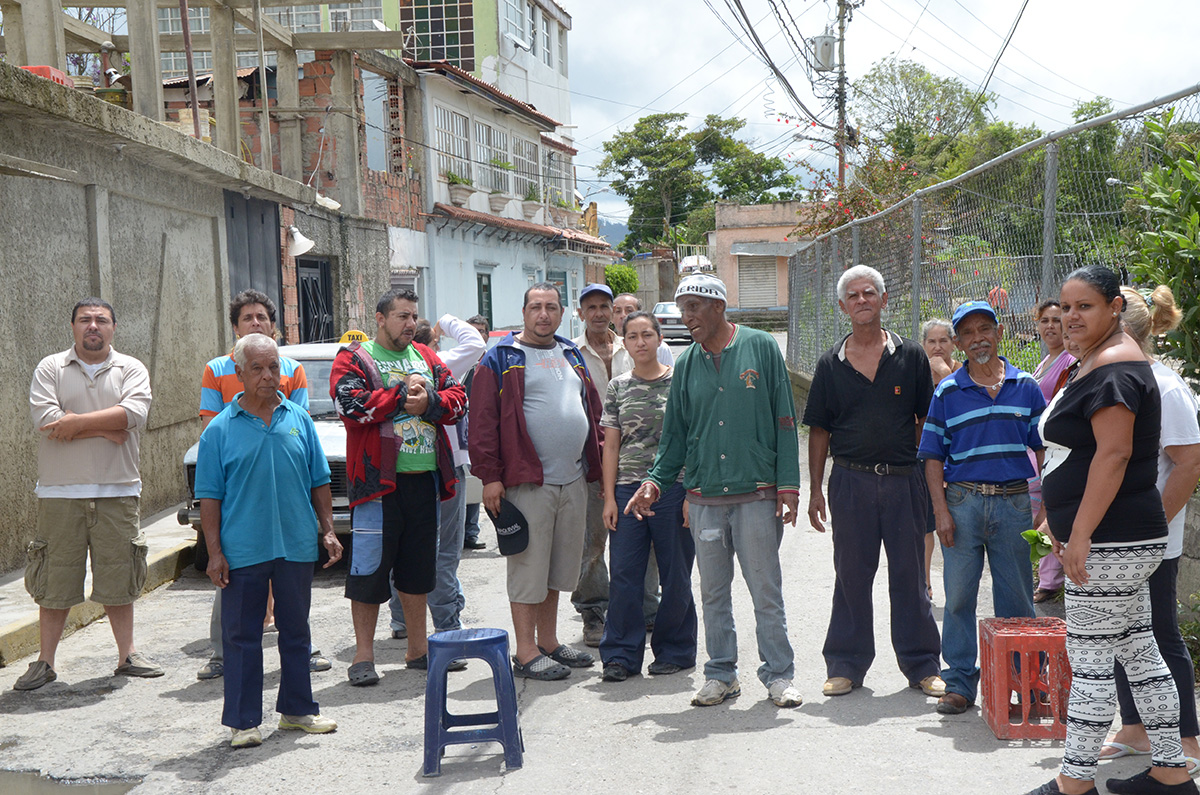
(547, 44)
(531, 30)
(562, 51)
(513, 19)
(491, 144)
(452, 133)
(526, 170)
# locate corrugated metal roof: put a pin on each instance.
(450, 69)
(204, 78)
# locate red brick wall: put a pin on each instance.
(291, 293)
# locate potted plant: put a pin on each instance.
(532, 201)
(498, 200)
(558, 212)
(574, 214)
(461, 188)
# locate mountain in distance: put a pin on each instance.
(614, 233)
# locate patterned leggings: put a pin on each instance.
(1107, 619)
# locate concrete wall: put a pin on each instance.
(138, 219)
(150, 244)
(752, 223)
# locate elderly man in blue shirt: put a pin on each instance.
(263, 485)
(981, 424)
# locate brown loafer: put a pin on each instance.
(1044, 595)
(953, 704)
(931, 686)
(837, 686)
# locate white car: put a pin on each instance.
(671, 321)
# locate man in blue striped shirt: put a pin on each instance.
(981, 424)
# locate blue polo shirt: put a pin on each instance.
(264, 477)
(981, 439)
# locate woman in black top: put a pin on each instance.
(1104, 510)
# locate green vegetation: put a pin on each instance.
(455, 179)
(1168, 242)
(621, 278)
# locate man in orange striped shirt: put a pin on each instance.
(250, 312)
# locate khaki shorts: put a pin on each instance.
(552, 560)
(67, 530)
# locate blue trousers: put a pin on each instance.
(674, 636)
(868, 511)
(244, 606)
(991, 525)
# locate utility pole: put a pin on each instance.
(841, 96)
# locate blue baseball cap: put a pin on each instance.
(970, 308)
(595, 288)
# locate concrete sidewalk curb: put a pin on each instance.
(20, 638)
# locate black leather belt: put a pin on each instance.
(995, 489)
(875, 469)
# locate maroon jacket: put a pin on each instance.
(367, 409)
(498, 440)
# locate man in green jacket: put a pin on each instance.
(730, 419)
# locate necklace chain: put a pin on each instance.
(988, 387)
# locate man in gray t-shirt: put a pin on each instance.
(554, 413)
(535, 441)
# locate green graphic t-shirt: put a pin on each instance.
(415, 438)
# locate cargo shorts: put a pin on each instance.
(68, 530)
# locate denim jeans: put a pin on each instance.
(446, 600)
(752, 532)
(982, 524)
(471, 529)
(629, 557)
(591, 595)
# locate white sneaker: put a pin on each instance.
(782, 694)
(715, 691)
(246, 738)
(313, 724)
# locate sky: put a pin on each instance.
(630, 58)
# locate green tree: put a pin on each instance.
(1169, 245)
(654, 167)
(621, 278)
(904, 102)
(660, 170)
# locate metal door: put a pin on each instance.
(315, 286)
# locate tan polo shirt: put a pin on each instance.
(595, 365)
(94, 467)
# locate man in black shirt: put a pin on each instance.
(869, 395)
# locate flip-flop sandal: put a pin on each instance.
(1122, 750)
(362, 674)
(542, 668)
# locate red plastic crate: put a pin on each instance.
(1025, 678)
(50, 73)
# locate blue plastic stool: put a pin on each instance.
(491, 646)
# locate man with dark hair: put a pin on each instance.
(534, 439)
(395, 397)
(624, 305)
(89, 404)
(250, 312)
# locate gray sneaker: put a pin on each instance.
(138, 664)
(318, 663)
(783, 694)
(213, 669)
(715, 691)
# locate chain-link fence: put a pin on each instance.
(1006, 232)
